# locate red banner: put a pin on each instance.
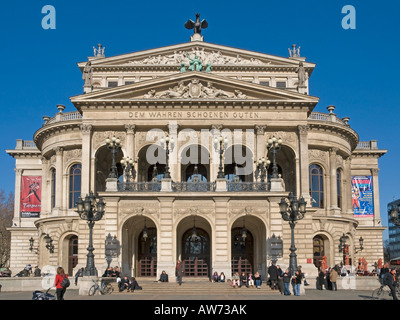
(31, 194)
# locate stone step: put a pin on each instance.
(194, 287)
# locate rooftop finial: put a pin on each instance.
(294, 52)
(99, 52)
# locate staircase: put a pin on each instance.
(194, 286)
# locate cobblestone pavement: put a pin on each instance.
(310, 294)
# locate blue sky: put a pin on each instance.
(356, 69)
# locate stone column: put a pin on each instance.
(375, 185)
(221, 238)
(333, 182)
(59, 177)
(347, 198)
(17, 203)
(46, 188)
(304, 163)
(86, 130)
(173, 155)
(260, 141)
(130, 140)
(166, 242)
(214, 157)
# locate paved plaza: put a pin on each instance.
(237, 294)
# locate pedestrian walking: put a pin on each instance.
(390, 281)
(60, 284)
(179, 271)
(273, 276)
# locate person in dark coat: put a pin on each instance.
(273, 276)
(179, 271)
(286, 282)
(322, 280)
(133, 285)
(163, 276)
(124, 283)
(390, 281)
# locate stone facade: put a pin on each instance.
(248, 98)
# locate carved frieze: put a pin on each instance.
(195, 89)
(205, 56)
(99, 137)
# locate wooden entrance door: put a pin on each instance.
(72, 254)
(147, 258)
(196, 253)
(242, 252)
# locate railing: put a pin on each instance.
(199, 186)
(148, 186)
(193, 186)
(328, 117)
(73, 115)
(247, 186)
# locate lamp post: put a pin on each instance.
(91, 209)
(262, 167)
(49, 243)
(222, 145)
(114, 145)
(292, 210)
(31, 248)
(274, 144)
(165, 143)
(129, 171)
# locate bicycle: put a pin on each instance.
(105, 288)
(384, 293)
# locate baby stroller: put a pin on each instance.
(39, 295)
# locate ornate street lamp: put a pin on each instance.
(262, 167)
(219, 145)
(91, 209)
(49, 243)
(274, 144)
(361, 242)
(292, 210)
(166, 143)
(31, 248)
(129, 171)
(114, 145)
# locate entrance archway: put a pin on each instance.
(248, 245)
(139, 253)
(194, 246)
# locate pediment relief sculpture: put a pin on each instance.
(195, 89)
(206, 57)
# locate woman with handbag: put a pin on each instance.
(61, 283)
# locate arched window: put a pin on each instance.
(316, 186)
(339, 187)
(74, 184)
(53, 187)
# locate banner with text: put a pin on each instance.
(362, 196)
(31, 193)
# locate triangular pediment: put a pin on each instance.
(212, 54)
(194, 85)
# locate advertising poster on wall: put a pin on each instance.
(31, 193)
(362, 196)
